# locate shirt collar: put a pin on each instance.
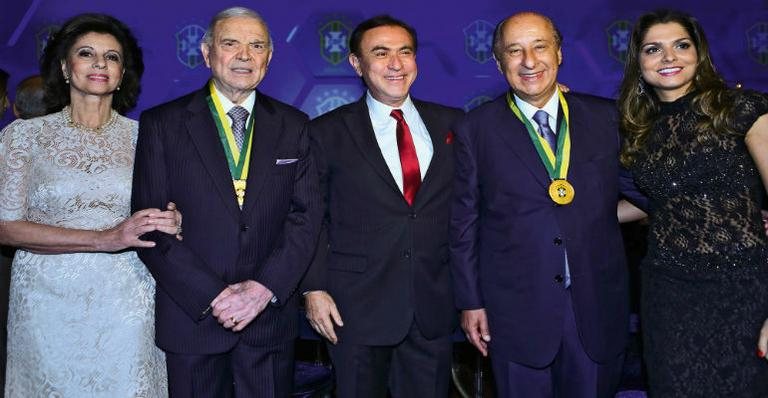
(380, 111)
(550, 107)
(227, 105)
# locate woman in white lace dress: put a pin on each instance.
(81, 319)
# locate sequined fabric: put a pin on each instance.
(705, 277)
(79, 325)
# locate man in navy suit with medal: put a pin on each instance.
(236, 162)
(380, 289)
(539, 266)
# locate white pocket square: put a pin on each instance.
(285, 161)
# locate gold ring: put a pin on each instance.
(178, 230)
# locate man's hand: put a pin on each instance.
(322, 314)
(239, 304)
(475, 325)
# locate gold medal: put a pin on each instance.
(561, 191)
(239, 191)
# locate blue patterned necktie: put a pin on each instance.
(542, 119)
(239, 115)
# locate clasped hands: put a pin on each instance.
(239, 304)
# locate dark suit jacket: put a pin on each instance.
(386, 263)
(180, 158)
(508, 239)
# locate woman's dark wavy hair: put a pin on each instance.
(640, 108)
(60, 44)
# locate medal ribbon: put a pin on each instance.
(238, 165)
(555, 163)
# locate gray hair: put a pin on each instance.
(234, 12)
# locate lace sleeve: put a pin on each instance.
(16, 143)
(748, 106)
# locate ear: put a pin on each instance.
(269, 57)
(498, 64)
(204, 49)
(64, 69)
(559, 56)
(355, 62)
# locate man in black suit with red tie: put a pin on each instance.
(236, 162)
(380, 287)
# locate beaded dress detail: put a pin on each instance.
(705, 277)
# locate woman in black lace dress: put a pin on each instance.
(699, 151)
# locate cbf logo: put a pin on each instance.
(42, 36)
(478, 41)
(329, 100)
(757, 37)
(334, 37)
(618, 39)
(188, 46)
(476, 101)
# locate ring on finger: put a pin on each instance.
(234, 320)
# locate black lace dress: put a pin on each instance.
(705, 277)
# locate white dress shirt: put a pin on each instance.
(227, 105)
(385, 129)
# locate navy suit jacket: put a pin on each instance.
(508, 239)
(385, 263)
(180, 158)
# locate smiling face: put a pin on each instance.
(238, 55)
(94, 65)
(530, 57)
(387, 63)
(668, 59)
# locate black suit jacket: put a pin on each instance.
(385, 263)
(180, 158)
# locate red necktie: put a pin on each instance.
(408, 160)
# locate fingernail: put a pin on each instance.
(760, 354)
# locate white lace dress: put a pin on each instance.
(79, 325)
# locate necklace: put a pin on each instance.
(67, 114)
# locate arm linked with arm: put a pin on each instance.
(177, 270)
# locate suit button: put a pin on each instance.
(243, 227)
(407, 253)
(559, 278)
(557, 241)
(412, 215)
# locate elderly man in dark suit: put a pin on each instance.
(380, 289)
(537, 254)
(236, 162)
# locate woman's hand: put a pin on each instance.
(762, 341)
(168, 221)
(127, 233)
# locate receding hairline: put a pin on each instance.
(531, 14)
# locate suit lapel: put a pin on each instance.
(513, 132)
(266, 132)
(435, 170)
(203, 132)
(579, 131)
(358, 123)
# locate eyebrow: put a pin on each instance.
(657, 43)
(380, 47)
(94, 49)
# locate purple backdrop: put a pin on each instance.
(309, 67)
